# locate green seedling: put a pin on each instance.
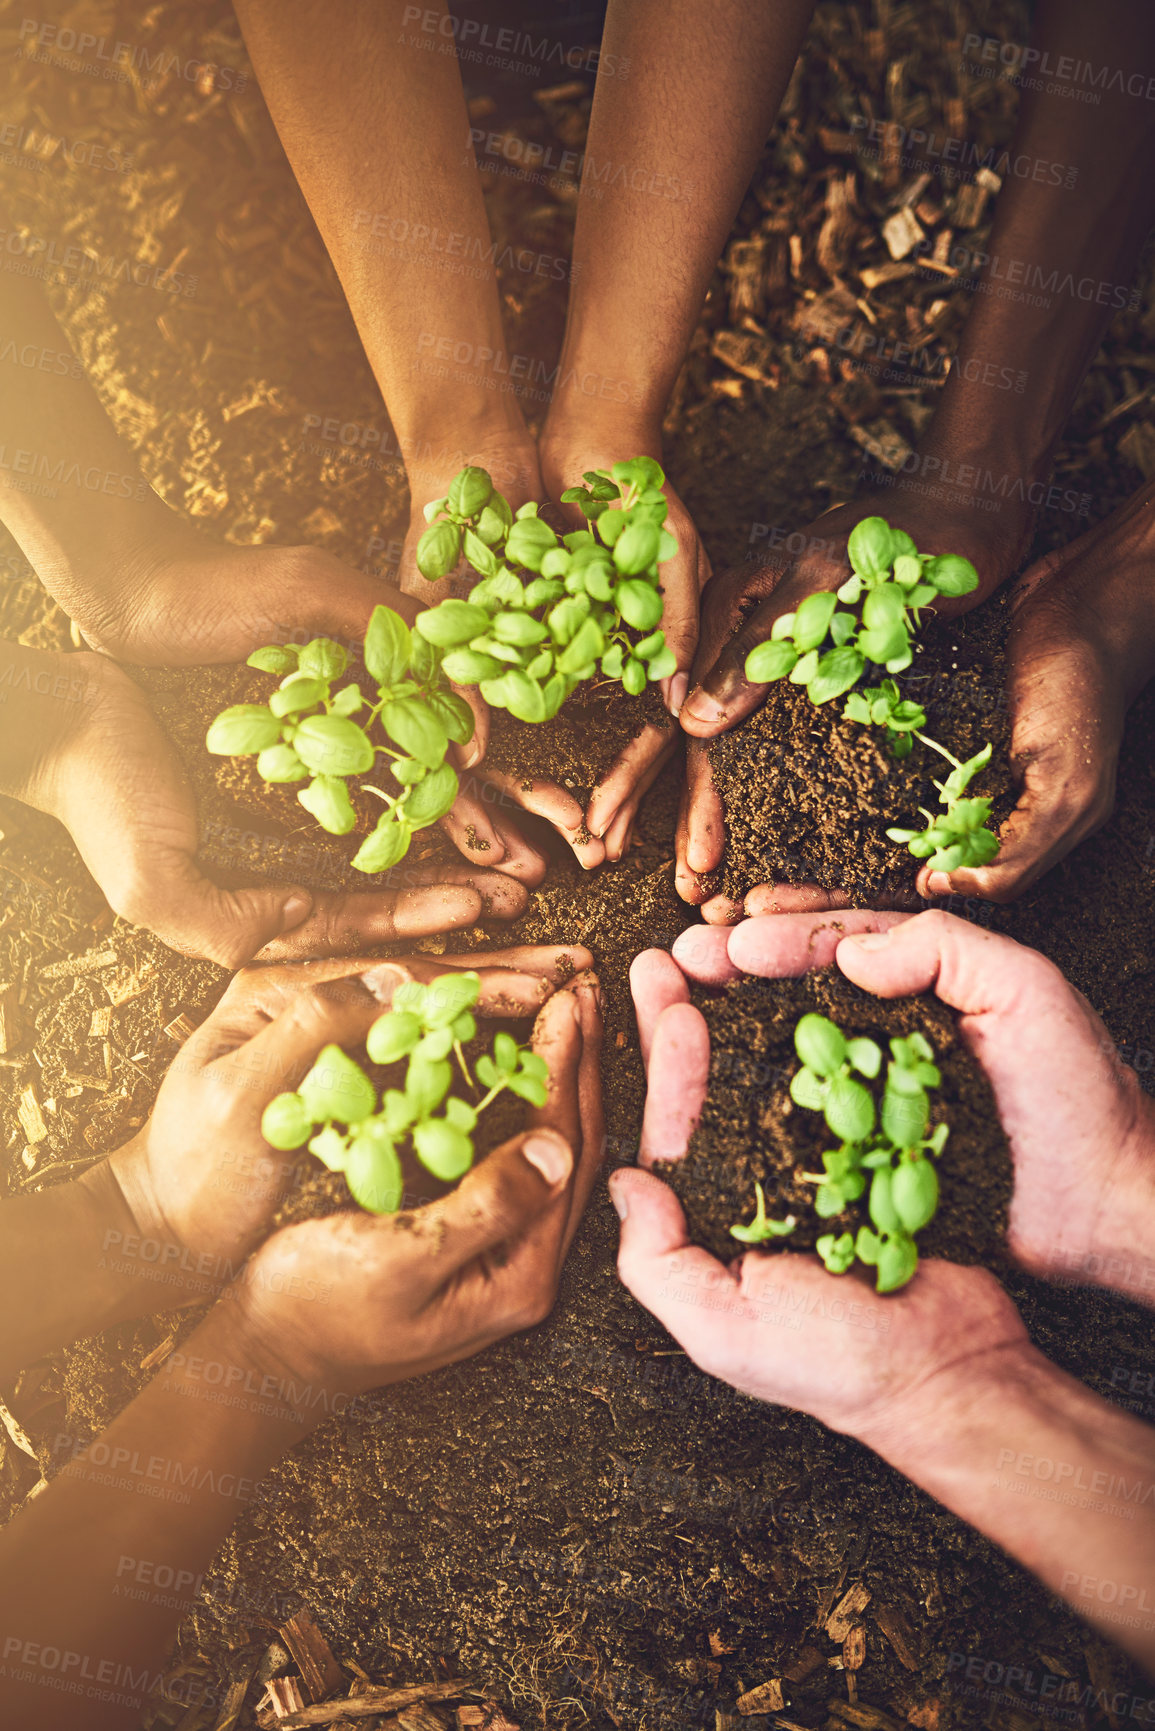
(761, 1229)
(827, 649)
(888, 1146)
(337, 1112)
(592, 602)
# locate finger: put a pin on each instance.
(782, 946)
(703, 953)
(724, 696)
(362, 920)
(197, 917)
(793, 899)
(701, 836)
(502, 897)
(657, 1262)
(620, 833)
(676, 1083)
(483, 826)
(559, 809)
(721, 911)
(656, 982)
(556, 962)
(508, 1197)
(338, 1012)
(557, 1037)
(504, 991)
(682, 583)
(471, 753)
(631, 774)
(975, 971)
(591, 1107)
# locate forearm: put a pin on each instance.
(670, 152)
(41, 695)
(373, 120)
(71, 491)
(1077, 202)
(1059, 1478)
(146, 1506)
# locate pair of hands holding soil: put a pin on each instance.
(941, 1380)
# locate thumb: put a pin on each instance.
(192, 914)
(501, 1198)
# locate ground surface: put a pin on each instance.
(579, 1520)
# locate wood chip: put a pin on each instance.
(422, 1717)
(744, 353)
(126, 987)
(719, 1644)
(969, 204)
(231, 1705)
(81, 1079)
(902, 232)
(854, 1648)
(746, 264)
(180, 1028)
(30, 1116)
(766, 1698)
(865, 1718)
(282, 1700)
(884, 443)
(158, 1354)
(320, 1673)
(101, 1023)
(467, 1716)
(379, 1698)
(1138, 446)
(11, 1027)
(808, 1660)
(928, 1717)
(87, 964)
(908, 1646)
(847, 1611)
(876, 275)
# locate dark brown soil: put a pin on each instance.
(578, 746)
(751, 1131)
(578, 1519)
(809, 797)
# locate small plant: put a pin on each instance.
(761, 1229)
(592, 601)
(889, 1148)
(336, 1110)
(891, 582)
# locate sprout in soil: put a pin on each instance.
(760, 1229)
(891, 582)
(337, 1112)
(592, 601)
(889, 1147)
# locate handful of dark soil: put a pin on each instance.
(809, 797)
(575, 749)
(751, 1131)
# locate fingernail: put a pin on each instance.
(938, 884)
(868, 940)
(294, 909)
(384, 980)
(621, 1200)
(550, 1155)
(679, 686)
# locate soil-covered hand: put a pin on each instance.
(1081, 648)
(779, 1327)
(565, 459)
(200, 1181)
(356, 1300)
(738, 612)
(1080, 1128)
(109, 774)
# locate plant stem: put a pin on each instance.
(469, 1082)
(941, 749)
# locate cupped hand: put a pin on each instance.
(358, 1300)
(1081, 648)
(566, 457)
(114, 781)
(778, 1327)
(1080, 1128)
(200, 1180)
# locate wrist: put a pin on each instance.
(581, 431)
(229, 1362)
(1118, 1251)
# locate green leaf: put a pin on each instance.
(448, 996)
(469, 492)
(451, 623)
(518, 629)
(849, 1109)
(807, 1089)
(274, 658)
(836, 1253)
(842, 628)
(586, 646)
(882, 1209)
(907, 570)
(865, 1056)
(416, 729)
(663, 664)
(639, 472)
(529, 1088)
(634, 677)
(327, 799)
(870, 547)
(436, 1044)
(426, 1084)
(324, 659)
(867, 1245)
(443, 1149)
(432, 797)
(556, 564)
(286, 1122)
(567, 618)
(951, 575)
(885, 644)
(505, 1053)
(850, 591)
(767, 662)
(373, 1174)
(392, 1036)
(820, 1044)
(639, 604)
(243, 730)
(542, 590)
(905, 1115)
(804, 668)
(959, 779)
(529, 541)
(504, 589)
(299, 691)
(495, 519)
(897, 1261)
(650, 646)
(857, 709)
(828, 1201)
(837, 671)
(383, 847)
(439, 550)
(884, 607)
(334, 745)
(336, 1087)
(523, 696)
(914, 1193)
(461, 1114)
(280, 763)
(387, 646)
(453, 713)
(348, 701)
(332, 1147)
(636, 548)
(470, 667)
(812, 621)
